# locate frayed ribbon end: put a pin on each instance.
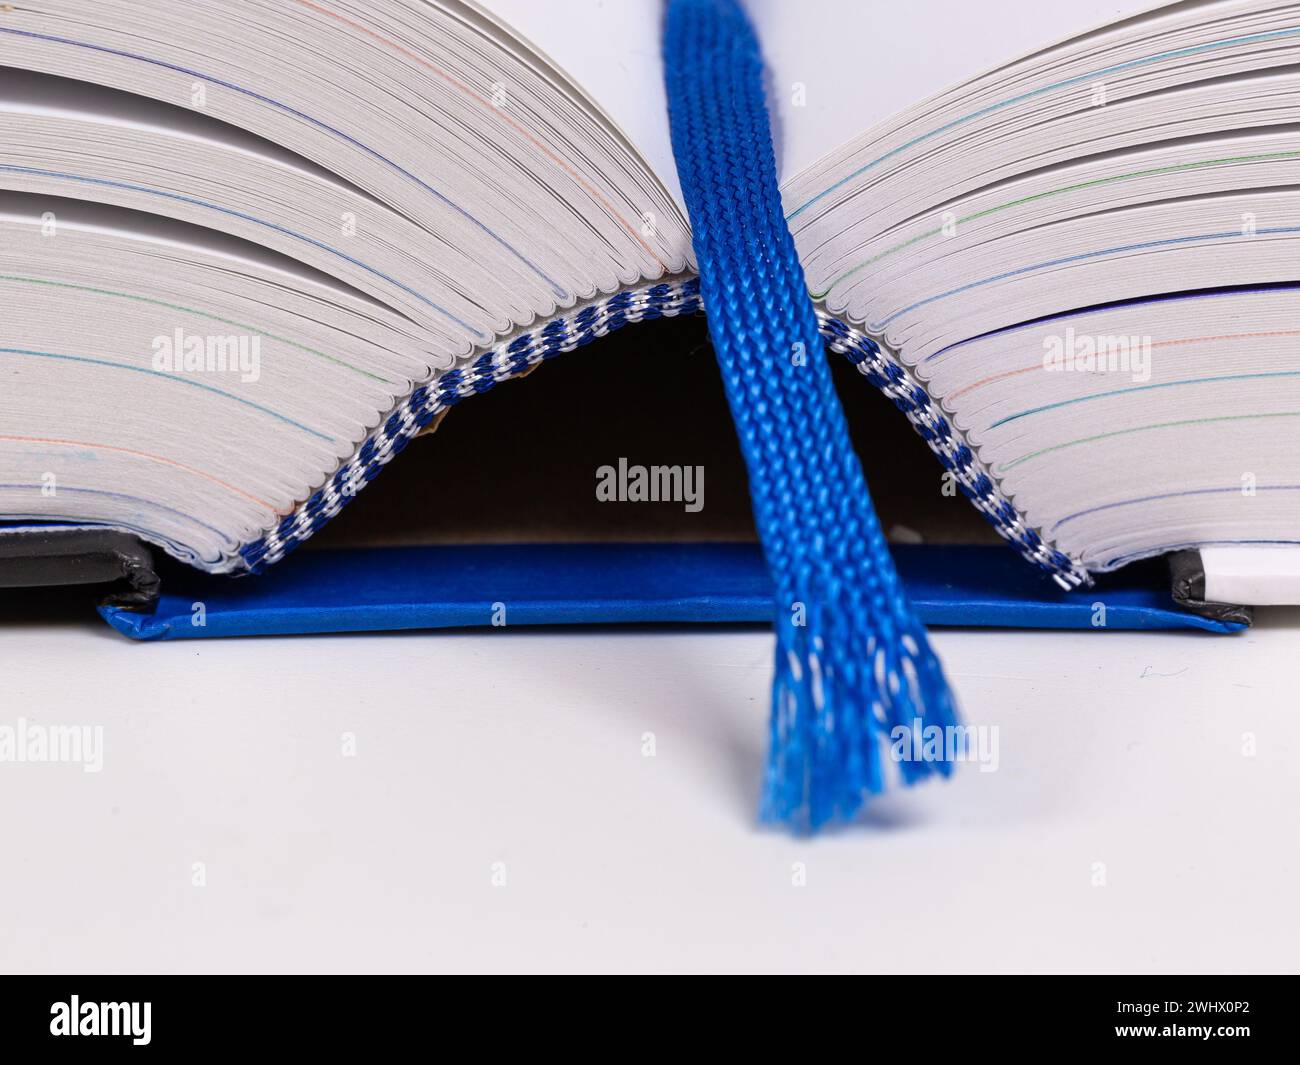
(844, 722)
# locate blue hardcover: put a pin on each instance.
(387, 589)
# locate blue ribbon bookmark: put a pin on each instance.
(855, 675)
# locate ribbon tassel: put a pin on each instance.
(856, 679)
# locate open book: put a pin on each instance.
(250, 248)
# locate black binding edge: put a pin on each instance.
(32, 558)
(1187, 576)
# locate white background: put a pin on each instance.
(524, 747)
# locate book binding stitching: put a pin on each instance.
(565, 333)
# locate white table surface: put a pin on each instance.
(525, 748)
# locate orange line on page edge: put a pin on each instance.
(152, 458)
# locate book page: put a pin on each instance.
(613, 50)
(871, 61)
